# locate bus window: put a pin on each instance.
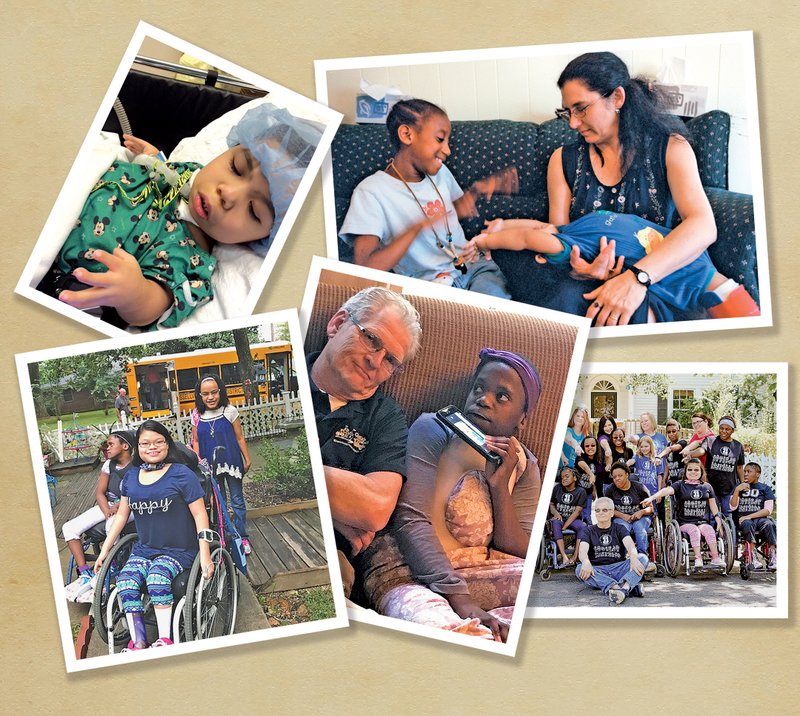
(277, 373)
(187, 378)
(231, 375)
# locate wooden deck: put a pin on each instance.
(288, 550)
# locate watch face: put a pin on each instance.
(643, 278)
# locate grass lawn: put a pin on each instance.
(93, 417)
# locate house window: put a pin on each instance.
(682, 399)
(68, 395)
(604, 399)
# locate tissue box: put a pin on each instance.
(374, 111)
(684, 100)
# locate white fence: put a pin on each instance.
(271, 416)
(769, 467)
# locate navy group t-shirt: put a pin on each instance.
(628, 501)
(605, 545)
(722, 460)
(163, 521)
(566, 501)
(692, 498)
(675, 468)
(753, 500)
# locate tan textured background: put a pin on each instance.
(57, 64)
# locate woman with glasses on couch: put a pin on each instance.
(631, 158)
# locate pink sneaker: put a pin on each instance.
(132, 647)
(161, 641)
(717, 562)
(246, 548)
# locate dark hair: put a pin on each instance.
(754, 465)
(567, 468)
(703, 416)
(596, 460)
(198, 399)
(173, 453)
(411, 112)
(602, 423)
(619, 465)
(696, 461)
(727, 417)
(640, 117)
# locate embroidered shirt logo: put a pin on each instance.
(354, 440)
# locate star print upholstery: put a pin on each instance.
(482, 147)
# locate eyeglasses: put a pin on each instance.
(155, 443)
(604, 509)
(210, 393)
(390, 363)
(578, 112)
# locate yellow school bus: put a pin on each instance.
(164, 385)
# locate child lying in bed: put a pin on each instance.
(696, 286)
(142, 244)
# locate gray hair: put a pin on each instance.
(605, 501)
(374, 299)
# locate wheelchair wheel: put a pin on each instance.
(658, 539)
(672, 549)
(210, 608)
(106, 583)
(545, 574)
(729, 544)
(744, 572)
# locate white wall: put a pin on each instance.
(524, 88)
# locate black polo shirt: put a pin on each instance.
(362, 436)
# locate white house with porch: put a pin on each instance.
(607, 393)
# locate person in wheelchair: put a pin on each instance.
(629, 509)
(695, 498)
(752, 503)
(119, 453)
(166, 499)
(566, 507)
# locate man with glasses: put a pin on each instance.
(603, 553)
(362, 431)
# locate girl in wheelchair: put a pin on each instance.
(167, 502)
(695, 497)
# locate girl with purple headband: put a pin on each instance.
(453, 552)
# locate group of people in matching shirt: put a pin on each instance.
(622, 480)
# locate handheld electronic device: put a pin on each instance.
(451, 417)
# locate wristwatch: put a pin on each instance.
(642, 277)
(206, 535)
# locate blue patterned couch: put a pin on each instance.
(482, 147)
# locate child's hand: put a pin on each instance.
(470, 253)
(138, 300)
(139, 146)
(504, 182)
(604, 267)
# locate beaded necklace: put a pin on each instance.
(449, 249)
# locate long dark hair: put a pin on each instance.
(411, 112)
(173, 452)
(601, 426)
(198, 399)
(640, 117)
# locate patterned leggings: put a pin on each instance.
(157, 574)
(694, 532)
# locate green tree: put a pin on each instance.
(647, 383)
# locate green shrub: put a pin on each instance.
(288, 470)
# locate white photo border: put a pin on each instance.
(329, 117)
(458, 296)
(23, 360)
(781, 609)
(322, 67)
